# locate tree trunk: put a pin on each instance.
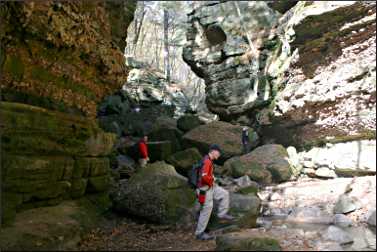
(166, 45)
(137, 27)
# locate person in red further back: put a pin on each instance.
(143, 151)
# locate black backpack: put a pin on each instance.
(194, 174)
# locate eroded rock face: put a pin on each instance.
(329, 92)
(146, 85)
(217, 52)
(48, 156)
(64, 55)
(316, 61)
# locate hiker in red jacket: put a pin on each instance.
(207, 192)
(143, 151)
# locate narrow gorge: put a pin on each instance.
(83, 81)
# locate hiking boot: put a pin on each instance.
(205, 237)
(226, 217)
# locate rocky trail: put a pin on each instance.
(80, 88)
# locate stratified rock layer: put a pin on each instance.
(63, 55)
(317, 75)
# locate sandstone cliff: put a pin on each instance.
(311, 78)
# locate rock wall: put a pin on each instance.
(63, 56)
(58, 60)
(317, 75)
(49, 156)
(329, 94)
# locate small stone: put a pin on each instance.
(325, 172)
(343, 221)
(308, 171)
(308, 164)
(372, 219)
(336, 234)
(345, 204)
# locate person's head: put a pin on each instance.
(214, 152)
(244, 129)
(145, 138)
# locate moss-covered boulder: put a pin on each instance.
(239, 241)
(188, 122)
(174, 136)
(226, 135)
(34, 130)
(183, 160)
(156, 193)
(50, 228)
(266, 164)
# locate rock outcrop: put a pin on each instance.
(316, 79)
(48, 156)
(143, 98)
(218, 51)
(329, 94)
(63, 56)
(58, 61)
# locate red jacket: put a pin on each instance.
(207, 173)
(143, 149)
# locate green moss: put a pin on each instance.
(9, 205)
(15, 67)
(242, 242)
(248, 190)
(43, 75)
(10, 95)
(349, 173)
(33, 130)
(78, 187)
(98, 184)
(82, 168)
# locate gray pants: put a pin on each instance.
(214, 193)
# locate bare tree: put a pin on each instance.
(166, 45)
(138, 23)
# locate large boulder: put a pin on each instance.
(244, 242)
(159, 150)
(188, 122)
(183, 160)
(226, 135)
(156, 193)
(246, 208)
(165, 129)
(266, 164)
